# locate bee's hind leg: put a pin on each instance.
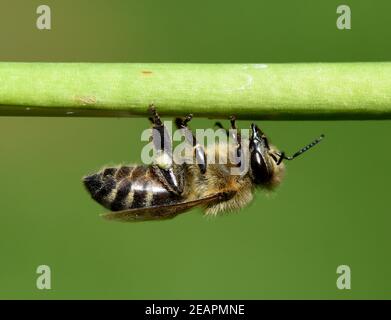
(199, 151)
(236, 137)
(219, 125)
(160, 136)
(169, 174)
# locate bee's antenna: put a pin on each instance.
(302, 150)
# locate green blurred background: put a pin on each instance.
(333, 208)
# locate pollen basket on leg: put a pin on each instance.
(163, 160)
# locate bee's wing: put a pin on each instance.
(164, 212)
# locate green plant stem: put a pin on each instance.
(320, 91)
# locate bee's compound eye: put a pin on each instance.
(260, 168)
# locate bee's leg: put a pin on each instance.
(199, 151)
(236, 137)
(160, 137)
(219, 125)
(167, 172)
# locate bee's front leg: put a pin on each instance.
(234, 134)
(168, 173)
(199, 152)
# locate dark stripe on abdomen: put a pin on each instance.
(93, 183)
(140, 191)
(123, 172)
(162, 197)
(119, 202)
(108, 185)
(138, 173)
(109, 172)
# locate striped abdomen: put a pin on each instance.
(127, 188)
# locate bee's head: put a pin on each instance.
(267, 168)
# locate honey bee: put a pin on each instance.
(165, 189)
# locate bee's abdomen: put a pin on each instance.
(127, 187)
